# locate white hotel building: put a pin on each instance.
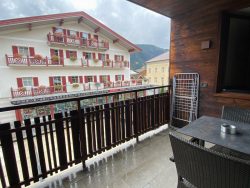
(55, 55)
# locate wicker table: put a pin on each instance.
(208, 129)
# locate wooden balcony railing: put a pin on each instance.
(76, 41)
(32, 61)
(35, 149)
(48, 90)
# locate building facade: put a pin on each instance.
(157, 70)
(60, 54)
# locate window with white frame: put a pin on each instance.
(57, 80)
(72, 33)
(155, 79)
(103, 57)
(27, 81)
(85, 35)
(155, 69)
(104, 78)
(75, 79)
(90, 78)
(58, 30)
(119, 77)
(88, 55)
(24, 51)
(118, 57)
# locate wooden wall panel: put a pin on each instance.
(187, 32)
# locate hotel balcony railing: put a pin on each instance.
(76, 41)
(32, 61)
(35, 149)
(48, 90)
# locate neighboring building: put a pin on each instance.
(158, 70)
(54, 55)
(139, 77)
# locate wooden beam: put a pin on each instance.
(80, 20)
(131, 50)
(97, 29)
(115, 41)
(61, 22)
(30, 26)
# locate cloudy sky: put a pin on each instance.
(139, 25)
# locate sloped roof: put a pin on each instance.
(63, 17)
(161, 57)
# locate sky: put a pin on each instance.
(135, 23)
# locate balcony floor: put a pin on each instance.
(145, 164)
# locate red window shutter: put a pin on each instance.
(95, 79)
(99, 56)
(100, 79)
(70, 79)
(85, 79)
(32, 51)
(81, 79)
(68, 32)
(35, 81)
(51, 84)
(65, 32)
(19, 82)
(75, 54)
(89, 36)
(67, 54)
(61, 57)
(116, 77)
(107, 56)
(93, 54)
(122, 58)
(52, 52)
(53, 29)
(122, 77)
(77, 34)
(84, 54)
(64, 83)
(109, 78)
(80, 34)
(14, 50)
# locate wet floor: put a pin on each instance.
(145, 164)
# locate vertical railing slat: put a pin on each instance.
(40, 146)
(9, 155)
(22, 153)
(68, 137)
(93, 130)
(107, 126)
(89, 132)
(122, 121)
(113, 123)
(61, 145)
(31, 147)
(128, 119)
(98, 128)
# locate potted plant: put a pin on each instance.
(18, 56)
(55, 58)
(58, 87)
(72, 58)
(96, 60)
(22, 89)
(38, 57)
(75, 85)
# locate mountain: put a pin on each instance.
(148, 52)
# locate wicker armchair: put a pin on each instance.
(236, 114)
(203, 168)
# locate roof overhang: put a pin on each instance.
(59, 19)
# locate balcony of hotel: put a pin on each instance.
(90, 44)
(71, 88)
(58, 61)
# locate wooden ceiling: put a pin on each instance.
(175, 8)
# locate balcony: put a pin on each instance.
(50, 144)
(78, 87)
(55, 39)
(80, 62)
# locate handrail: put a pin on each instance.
(94, 95)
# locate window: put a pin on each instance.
(56, 53)
(90, 79)
(118, 77)
(72, 33)
(24, 51)
(162, 69)
(155, 80)
(234, 72)
(75, 79)
(27, 82)
(57, 80)
(156, 69)
(118, 57)
(58, 30)
(84, 35)
(88, 55)
(104, 78)
(162, 80)
(103, 57)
